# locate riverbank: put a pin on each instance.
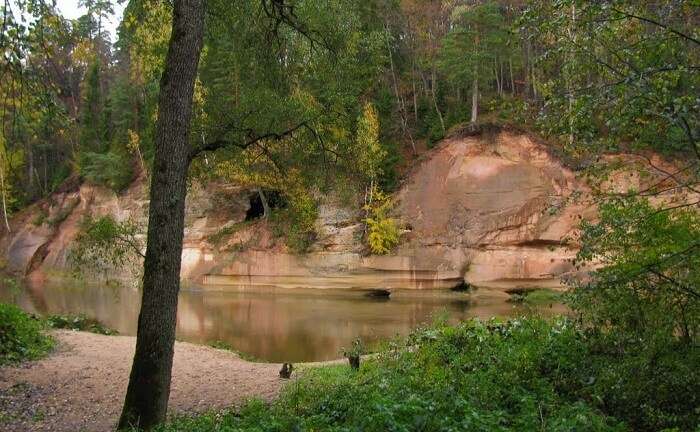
(81, 384)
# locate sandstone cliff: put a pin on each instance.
(491, 210)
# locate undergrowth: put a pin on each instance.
(22, 336)
(79, 323)
(523, 375)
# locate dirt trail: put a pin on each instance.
(81, 386)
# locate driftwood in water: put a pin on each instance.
(378, 293)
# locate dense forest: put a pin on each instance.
(298, 98)
(301, 101)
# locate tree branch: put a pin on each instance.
(658, 24)
(251, 139)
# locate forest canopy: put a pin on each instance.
(288, 99)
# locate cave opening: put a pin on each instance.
(257, 209)
(260, 199)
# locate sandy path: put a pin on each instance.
(81, 386)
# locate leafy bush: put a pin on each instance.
(646, 286)
(21, 336)
(642, 300)
(297, 221)
(522, 375)
(80, 323)
(104, 243)
(383, 232)
(110, 169)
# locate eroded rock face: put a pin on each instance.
(504, 202)
(497, 211)
(43, 234)
(491, 212)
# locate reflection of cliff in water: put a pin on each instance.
(270, 324)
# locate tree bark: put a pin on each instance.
(415, 95)
(4, 201)
(146, 399)
(399, 99)
(433, 87)
(265, 204)
(498, 77)
(475, 98)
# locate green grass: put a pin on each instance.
(80, 323)
(227, 347)
(537, 297)
(22, 336)
(227, 232)
(524, 375)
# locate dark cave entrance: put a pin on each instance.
(260, 199)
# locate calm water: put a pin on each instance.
(271, 324)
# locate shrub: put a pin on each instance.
(645, 286)
(643, 308)
(297, 221)
(383, 232)
(522, 375)
(21, 336)
(104, 243)
(80, 323)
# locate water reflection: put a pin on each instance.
(270, 324)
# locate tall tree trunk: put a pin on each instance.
(146, 399)
(569, 84)
(475, 98)
(498, 77)
(500, 73)
(265, 204)
(30, 171)
(415, 95)
(433, 88)
(399, 99)
(512, 81)
(527, 68)
(2, 189)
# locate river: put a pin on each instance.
(272, 324)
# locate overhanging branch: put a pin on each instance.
(251, 139)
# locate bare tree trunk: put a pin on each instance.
(263, 200)
(4, 200)
(415, 95)
(498, 78)
(527, 68)
(30, 170)
(569, 84)
(426, 93)
(512, 81)
(500, 81)
(434, 92)
(475, 98)
(147, 396)
(399, 99)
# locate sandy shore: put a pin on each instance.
(81, 386)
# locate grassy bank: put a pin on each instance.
(523, 375)
(22, 337)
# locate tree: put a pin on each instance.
(147, 395)
(623, 73)
(149, 383)
(472, 47)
